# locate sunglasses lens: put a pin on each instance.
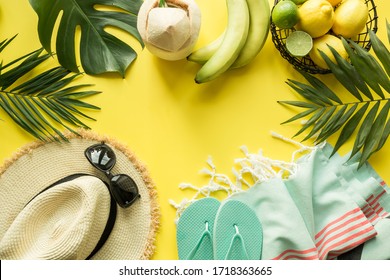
(101, 156)
(124, 190)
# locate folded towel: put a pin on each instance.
(315, 207)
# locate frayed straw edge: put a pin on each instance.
(139, 166)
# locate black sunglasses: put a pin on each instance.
(122, 187)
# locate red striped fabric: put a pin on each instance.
(346, 215)
(345, 228)
(372, 217)
(350, 241)
(309, 254)
(346, 248)
(344, 233)
(373, 202)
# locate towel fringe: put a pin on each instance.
(258, 167)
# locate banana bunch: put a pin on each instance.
(244, 37)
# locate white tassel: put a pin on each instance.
(206, 171)
(210, 162)
(259, 167)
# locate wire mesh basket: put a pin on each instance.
(304, 63)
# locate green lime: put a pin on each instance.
(298, 2)
(299, 43)
(285, 14)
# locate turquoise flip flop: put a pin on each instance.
(238, 233)
(195, 229)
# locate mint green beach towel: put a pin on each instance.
(324, 208)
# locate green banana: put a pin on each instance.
(259, 11)
(203, 54)
(233, 41)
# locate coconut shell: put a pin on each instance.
(169, 33)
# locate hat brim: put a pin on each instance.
(38, 165)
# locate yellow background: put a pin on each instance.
(173, 124)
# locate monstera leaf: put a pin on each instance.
(100, 51)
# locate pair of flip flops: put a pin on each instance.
(209, 230)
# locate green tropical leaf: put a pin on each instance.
(366, 78)
(100, 52)
(300, 115)
(385, 135)
(338, 120)
(301, 104)
(350, 127)
(43, 103)
(381, 51)
(388, 30)
(305, 92)
(343, 71)
(375, 134)
(30, 61)
(331, 123)
(321, 89)
(6, 42)
(368, 67)
(316, 116)
(314, 92)
(321, 122)
(365, 129)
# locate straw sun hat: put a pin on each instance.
(55, 205)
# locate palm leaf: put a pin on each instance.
(376, 132)
(337, 121)
(381, 52)
(100, 52)
(368, 67)
(41, 105)
(365, 129)
(349, 127)
(388, 30)
(366, 78)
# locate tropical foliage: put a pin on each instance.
(100, 51)
(366, 78)
(43, 103)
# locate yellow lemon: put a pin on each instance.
(321, 44)
(315, 17)
(334, 3)
(350, 18)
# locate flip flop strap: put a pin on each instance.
(232, 253)
(204, 235)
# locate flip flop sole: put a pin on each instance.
(238, 232)
(195, 228)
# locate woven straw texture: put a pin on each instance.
(38, 165)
